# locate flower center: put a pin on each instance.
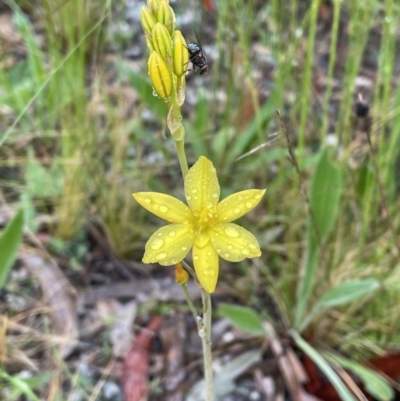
(207, 218)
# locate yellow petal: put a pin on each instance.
(169, 245)
(165, 207)
(206, 265)
(233, 242)
(237, 205)
(201, 186)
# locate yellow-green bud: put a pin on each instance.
(149, 44)
(161, 40)
(153, 6)
(147, 20)
(166, 16)
(160, 75)
(180, 54)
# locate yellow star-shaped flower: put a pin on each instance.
(205, 225)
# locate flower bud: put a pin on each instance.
(166, 16)
(147, 20)
(161, 40)
(153, 5)
(160, 75)
(149, 44)
(180, 54)
(181, 275)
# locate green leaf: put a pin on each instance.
(374, 383)
(9, 245)
(19, 385)
(348, 292)
(325, 191)
(243, 318)
(340, 295)
(332, 376)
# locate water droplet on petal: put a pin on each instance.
(232, 232)
(173, 261)
(237, 210)
(215, 195)
(161, 255)
(188, 197)
(194, 191)
(172, 234)
(208, 272)
(227, 254)
(184, 248)
(257, 197)
(253, 247)
(249, 204)
(147, 200)
(163, 209)
(209, 253)
(230, 247)
(196, 258)
(156, 243)
(245, 251)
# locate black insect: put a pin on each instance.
(197, 56)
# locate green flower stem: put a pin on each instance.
(190, 302)
(189, 269)
(180, 148)
(206, 342)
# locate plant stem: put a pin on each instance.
(206, 342)
(180, 148)
(190, 302)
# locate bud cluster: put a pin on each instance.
(168, 59)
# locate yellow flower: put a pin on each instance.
(205, 225)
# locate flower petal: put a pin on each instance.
(238, 204)
(206, 265)
(165, 206)
(169, 244)
(233, 242)
(201, 186)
